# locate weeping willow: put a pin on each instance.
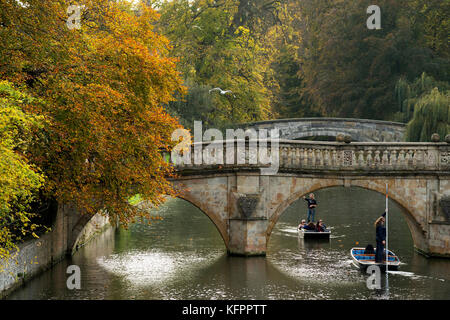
(408, 94)
(404, 94)
(431, 115)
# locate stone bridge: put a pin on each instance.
(245, 204)
(361, 130)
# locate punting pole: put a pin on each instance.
(387, 238)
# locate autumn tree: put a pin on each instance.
(105, 86)
(19, 179)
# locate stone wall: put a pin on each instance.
(38, 255)
(439, 242)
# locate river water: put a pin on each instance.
(183, 257)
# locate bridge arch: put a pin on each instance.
(215, 218)
(409, 212)
(362, 130)
(82, 220)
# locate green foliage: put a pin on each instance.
(290, 100)
(196, 105)
(307, 58)
(431, 115)
(19, 180)
(216, 49)
(408, 94)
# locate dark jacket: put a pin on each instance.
(381, 233)
(310, 202)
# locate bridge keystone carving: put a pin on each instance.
(247, 204)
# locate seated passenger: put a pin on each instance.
(320, 227)
(302, 225)
(369, 249)
(310, 227)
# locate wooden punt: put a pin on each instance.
(363, 260)
(307, 234)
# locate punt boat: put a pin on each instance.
(308, 234)
(363, 260)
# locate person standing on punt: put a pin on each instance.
(380, 238)
(312, 204)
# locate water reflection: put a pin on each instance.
(183, 257)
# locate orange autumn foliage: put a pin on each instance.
(105, 87)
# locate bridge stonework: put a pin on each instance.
(245, 205)
(361, 130)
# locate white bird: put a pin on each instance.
(222, 91)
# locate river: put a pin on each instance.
(184, 257)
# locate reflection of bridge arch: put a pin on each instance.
(362, 130)
(411, 218)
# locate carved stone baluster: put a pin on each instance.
(306, 157)
(392, 158)
(354, 161)
(289, 158)
(294, 163)
(361, 159)
(312, 158)
(409, 158)
(377, 159)
(385, 159)
(401, 159)
(420, 159)
(319, 158)
(283, 157)
(369, 159)
(334, 160)
(326, 158)
(301, 156)
(415, 159)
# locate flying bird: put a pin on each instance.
(222, 91)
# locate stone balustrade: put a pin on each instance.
(299, 155)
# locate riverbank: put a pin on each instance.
(38, 255)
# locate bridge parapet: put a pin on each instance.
(328, 156)
(366, 156)
(363, 130)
